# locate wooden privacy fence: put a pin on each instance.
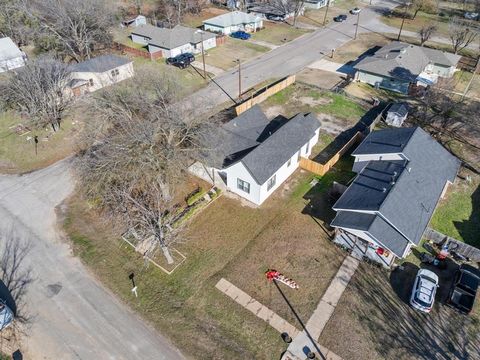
(321, 169)
(138, 52)
(264, 93)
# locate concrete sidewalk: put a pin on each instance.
(211, 69)
(307, 339)
(263, 43)
(249, 303)
(331, 66)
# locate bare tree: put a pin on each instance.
(38, 91)
(77, 27)
(460, 34)
(136, 151)
(14, 23)
(426, 33)
(294, 7)
(422, 5)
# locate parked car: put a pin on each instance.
(471, 15)
(340, 18)
(424, 290)
(6, 315)
(355, 11)
(242, 35)
(275, 17)
(464, 289)
(181, 61)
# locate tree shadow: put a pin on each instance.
(469, 229)
(397, 331)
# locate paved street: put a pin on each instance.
(74, 317)
(289, 58)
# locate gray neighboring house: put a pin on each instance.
(11, 57)
(316, 4)
(402, 175)
(173, 42)
(135, 21)
(401, 67)
(233, 21)
(257, 155)
(397, 114)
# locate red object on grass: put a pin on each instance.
(272, 274)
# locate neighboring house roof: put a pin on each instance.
(267, 9)
(100, 64)
(403, 193)
(404, 61)
(8, 49)
(232, 18)
(172, 38)
(390, 141)
(399, 108)
(264, 161)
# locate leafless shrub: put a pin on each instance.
(426, 32)
(461, 36)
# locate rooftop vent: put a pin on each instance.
(384, 189)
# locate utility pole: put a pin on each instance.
(403, 20)
(356, 28)
(326, 12)
(203, 54)
(239, 79)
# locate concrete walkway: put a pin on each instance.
(211, 69)
(249, 303)
(331, 66)
(308, 338)
(263, 43)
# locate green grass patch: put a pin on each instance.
(458, 214)
(17, 152)
(340, 106)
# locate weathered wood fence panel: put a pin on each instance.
(264, 93)
(321, 169)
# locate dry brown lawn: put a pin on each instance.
(193, 20)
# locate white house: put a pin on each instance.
(316, 4)
(233, 21)
(258, 155)
(173, 42)
(99, 72)
(11, 57)
(402, 175)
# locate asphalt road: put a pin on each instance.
(74, 317)
(290, 58)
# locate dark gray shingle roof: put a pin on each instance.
(171, 38)
(409, 202)
(374, 225)
(400, 108)
(404, 61)
(263, 161)
(232, 18)
(100, 64)
(389, 141)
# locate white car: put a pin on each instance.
(471, 15)
(424, 290)
(355, 11)
(6, 315)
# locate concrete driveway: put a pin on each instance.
(74, 317)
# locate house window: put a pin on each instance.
(289, 162)
(299, 154)
(306, 148)
(90, 82)
(114, 72)
(243, 185)
(271, 182)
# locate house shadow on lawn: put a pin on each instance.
(6, 295)
(397, 331)
(469, 229)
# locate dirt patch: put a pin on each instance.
(313, 102)
(331, 124)
(273, 111)
(320, 78)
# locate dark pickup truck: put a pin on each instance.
(464, 289)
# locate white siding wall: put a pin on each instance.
(10, 64)
(139, 39)
(101, 80)
(252, 27)
(362, 160)
(238, 171)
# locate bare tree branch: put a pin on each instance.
(460, 34)
(426, 33)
